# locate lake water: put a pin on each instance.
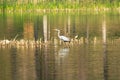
(93, 55)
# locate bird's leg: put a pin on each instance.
(60, 42)
(66, 44)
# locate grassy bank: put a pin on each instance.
(59, 7)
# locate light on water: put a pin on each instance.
(30, 48)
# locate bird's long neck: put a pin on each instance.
(58, 33)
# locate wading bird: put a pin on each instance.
(63, 38)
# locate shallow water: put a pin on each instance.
(84, 62)
(96, 57)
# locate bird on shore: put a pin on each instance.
(61, 37)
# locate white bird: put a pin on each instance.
(63, 38)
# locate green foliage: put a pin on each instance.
(81, 5)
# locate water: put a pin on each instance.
(95, 57)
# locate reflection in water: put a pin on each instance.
(104, 30)
(69, 24)
(26, 64)
(28, 31)
(13, 63)
(53, 62)
(36, 29)
(105, 62)
(45, 64)
(61, 54)
(57, 63)
(68, 65)
(38, 64)
(40, 26)
(45, 28)
(87, 31)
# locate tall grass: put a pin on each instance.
(59, 5)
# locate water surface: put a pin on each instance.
(95, 57)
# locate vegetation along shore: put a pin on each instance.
(21, 6)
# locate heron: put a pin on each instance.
(61, 37)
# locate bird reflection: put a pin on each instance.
(61, 55)
(63, 52)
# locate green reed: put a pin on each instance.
(92, 6)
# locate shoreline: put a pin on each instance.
(55, 42)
